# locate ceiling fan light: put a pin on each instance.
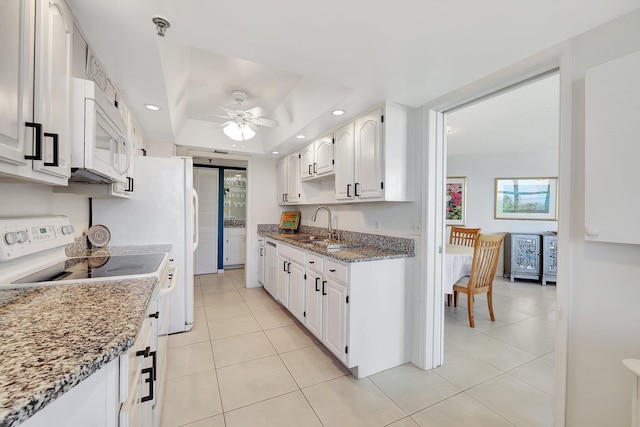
(238, 132)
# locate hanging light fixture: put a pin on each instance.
(238, 131)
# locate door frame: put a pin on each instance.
(433, 161)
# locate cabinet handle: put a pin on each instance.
(129, 184)
(315, 168)
(261, 254)
(333, 270)
(310, 170)
(356, 188)
(311, 262)
(288, 268)
(55, 149)
(155, 315)
(38, 154)
(284, 266)
(149, 381)
(144, 352)
(317, 280)
(324, 282)
(348, 190)
(154, 355)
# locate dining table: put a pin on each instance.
(457, 264)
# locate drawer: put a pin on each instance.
(336, 270)
(314, 262)
(291, 253)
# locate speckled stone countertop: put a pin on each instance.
(53, 337)
(374, 247)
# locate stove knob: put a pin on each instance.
(23, 236)
(68, 229)
(11, 238)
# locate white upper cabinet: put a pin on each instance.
(288, 184)
(11, 144)
(317, 159)
(372, 158)
(35, 122)
(612, 110)
(344, 149)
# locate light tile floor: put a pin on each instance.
(247, 363)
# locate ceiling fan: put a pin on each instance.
(242, 124)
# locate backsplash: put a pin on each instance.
(400, 244)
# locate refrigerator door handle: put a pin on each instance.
(173, 271)
(196, 221)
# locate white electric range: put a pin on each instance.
(32, 253)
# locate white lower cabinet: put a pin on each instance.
(261, 255)
(271, 267)
(334, 318)
(291, 277)
(234, 246)
(357, 310)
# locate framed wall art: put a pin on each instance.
(456, 200)
(526, 198)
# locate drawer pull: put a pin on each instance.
(333, 270)
(154, 315)
(324, 282)
(317, 279)
(312, 262)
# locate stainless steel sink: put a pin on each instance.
(325, 243)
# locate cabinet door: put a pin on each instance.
(307, 159)
(344, 147)
(282, 290)
(313, 303)
(293, 178)
(53, 86)
(368, 164)
(526, 254)
(334, 318)
(11, 117)
(323, 156)
(281, 183)
(235, 246)
(296, 290)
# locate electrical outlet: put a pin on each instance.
(415, 227)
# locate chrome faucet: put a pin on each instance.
(330, 231)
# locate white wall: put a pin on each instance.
(36, 199)
(261, 209)
(481, 171)
(159, 148)
(604, 319)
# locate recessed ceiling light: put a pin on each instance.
(337, 112)
(275, 152)
(300, 136)
(152, 107)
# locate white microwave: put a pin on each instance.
(100, 151)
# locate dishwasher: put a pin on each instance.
(271, 267)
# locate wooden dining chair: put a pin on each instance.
(463, 236)
(483, 270)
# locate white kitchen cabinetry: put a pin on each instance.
(612, 109)
(372, 159)
(235, 243)
(288, 181)
(343, 305)
(291, 280)
(34, 117)
(316, 159)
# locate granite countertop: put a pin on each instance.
(53, 337)
(366, 252)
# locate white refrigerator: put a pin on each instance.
(163, 209)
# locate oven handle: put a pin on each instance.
(173, 280)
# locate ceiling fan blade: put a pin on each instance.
(221, 125)
(255, 112)
(261, 121)
(216, 115)
(230, 113)
(253, 127)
